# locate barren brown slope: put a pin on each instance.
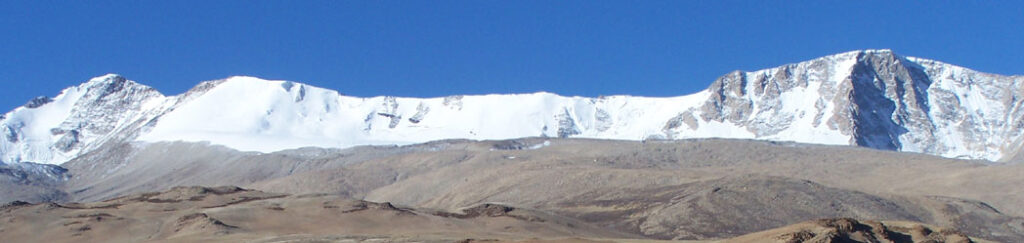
(629, 185)
(649, 188)
(230, 214)
(854, 231)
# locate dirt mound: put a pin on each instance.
(200, 223)
(492, 210)
(359, 206)
(487, 209)
(14, 204)
(183, 193)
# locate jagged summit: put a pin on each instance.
(107, 78)
(79, 118)
(870, 98)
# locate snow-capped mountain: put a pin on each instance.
(80, 118)
(871, 98)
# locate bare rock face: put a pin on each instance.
(390, 110)
(880, 100)
(566, 125)
(103, 109)
(68, 141)
(602, 120)
(888, 99)
(727, 102)
(37, 102)
(453, 102)
(10, 133)
(32, 182)
(106, 103)
(421, 112)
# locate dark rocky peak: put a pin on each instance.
(115, 86)
(889, 66)
(114, 90)
(887, 94)
(105, 102)
(37, 102)
(33, 173)
(779, 79)
(106, 84)
(872, 100)
(896, 78)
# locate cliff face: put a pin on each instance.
(877, 99)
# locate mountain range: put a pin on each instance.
(862, 146)
(869, 98)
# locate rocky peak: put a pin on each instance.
(894, 70)
(880, 100)
(113, 86)
(106, 84)
(856, 85)
(887, 93)
(37, 102)
(106, 102)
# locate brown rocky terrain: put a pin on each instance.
(232, 214)
(706, 189)
(197, 214)
(850, 230)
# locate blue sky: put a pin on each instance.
(437, 48)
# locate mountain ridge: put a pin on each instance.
(868, 98)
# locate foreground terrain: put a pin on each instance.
(540, 189)
(200, 214)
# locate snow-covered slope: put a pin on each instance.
(276, 115)
(55, 130)
(870, 98)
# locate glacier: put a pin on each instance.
(869, 98)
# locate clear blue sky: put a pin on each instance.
(437, 48)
